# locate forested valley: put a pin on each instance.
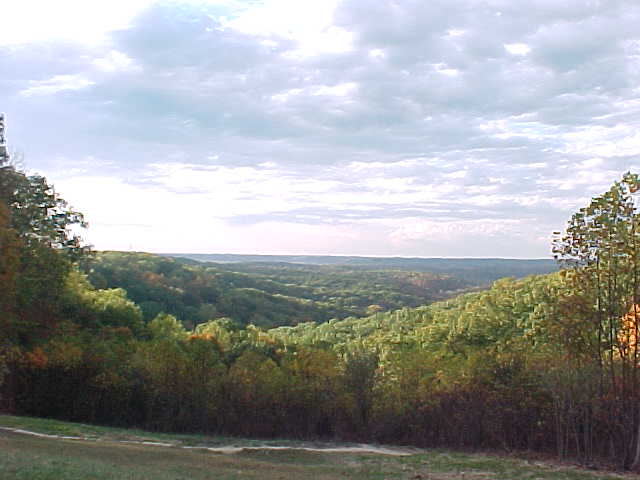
(264, 295)
(546, 363)
(272, 294)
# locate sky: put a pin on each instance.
(440, 128)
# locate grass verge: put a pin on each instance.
(102, 457)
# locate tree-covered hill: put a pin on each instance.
(265, 295)
(513, 313)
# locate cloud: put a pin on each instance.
(517, 48)
(114, 61)
(308, 25)
(56, 84)
(34, 20)
(408, 122)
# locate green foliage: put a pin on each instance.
(37, 247)
(9, 265)
(601, 250)
(96, 309)
(167, 327)
(261, 295)
(38, 214)
(598, 314)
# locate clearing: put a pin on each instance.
(40, 449)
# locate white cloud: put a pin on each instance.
(619, 140)
(58, 83)
(114, 61)
(415, 229)
(340, 90)
(457, 174)
(517, 48)
(28, 21)
(308, 24)
(232, 191)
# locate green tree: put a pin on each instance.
(38, 214)
(38, 246)
(360, 368)
(98, 309)
(600, 252)
(166, 326)
(9, 263)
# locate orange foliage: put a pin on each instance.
(206, 337)
(37, 358)
(201, 336)
(628, 334)
(154, 278)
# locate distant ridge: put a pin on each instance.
(481, 270)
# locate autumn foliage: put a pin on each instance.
(547, 363)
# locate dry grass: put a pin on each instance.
(27, 457)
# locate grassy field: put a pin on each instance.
(101, 456)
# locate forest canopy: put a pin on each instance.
(547, 363)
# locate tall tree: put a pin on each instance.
(37, 246)
(8, 267)
(600, 252)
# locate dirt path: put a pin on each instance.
(229, 449)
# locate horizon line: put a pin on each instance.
(336, 255)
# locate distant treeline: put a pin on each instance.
(546, 363)
(473, 271)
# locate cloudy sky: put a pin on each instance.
(371, 127)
